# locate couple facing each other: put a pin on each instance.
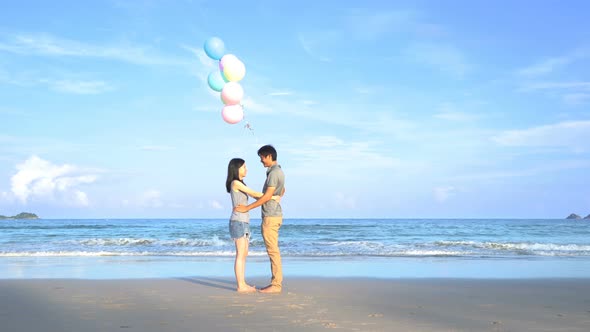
(272, 216)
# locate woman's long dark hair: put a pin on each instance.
(233, 172)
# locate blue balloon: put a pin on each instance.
(214, 48)
(215, 81)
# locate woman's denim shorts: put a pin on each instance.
(239, 229)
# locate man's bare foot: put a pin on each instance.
(247, 289)
(271, 289)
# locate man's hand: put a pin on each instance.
(241, 208)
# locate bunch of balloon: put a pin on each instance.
(225, 80)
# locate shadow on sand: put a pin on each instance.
(211, 282)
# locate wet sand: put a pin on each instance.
(309, 304)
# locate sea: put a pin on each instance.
(371, 248)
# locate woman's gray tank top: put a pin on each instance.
(239, 198)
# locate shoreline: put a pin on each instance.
(146, 267)
(309, 303)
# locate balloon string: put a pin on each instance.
(248, 126)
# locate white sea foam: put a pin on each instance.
(518, 246)
(113, 253)
(181, 242)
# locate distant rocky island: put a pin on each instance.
(575, 216)
(22, 215)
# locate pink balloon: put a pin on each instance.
(232, 114)
(232, 93)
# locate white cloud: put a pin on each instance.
(365, 25)
(445, 58)
(81, 87)
(326, 142)
(430, 30)
(5, 197)
(570, 134)
(453, 116)
(80, 198)
(363, 88)
(342, 156)
(214, 204)
(356, 24)
(40, 179)
(254, 106)
(309, 46)
(78, 87)
(552, 64)
(383, 119)
(151, 198)
(156, 148)
(576, 85)
(48, 45)
(448, 111)
(545, 66)
(12, 112)
(442, 194)
(572, 92)
(208, 108)
(346, 201)
(281, 93)
(204, 59)
(576, 98)
(550, 167)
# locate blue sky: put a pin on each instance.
(414, 109)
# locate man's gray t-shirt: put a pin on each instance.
(274, 178)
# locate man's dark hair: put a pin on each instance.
(268, 150)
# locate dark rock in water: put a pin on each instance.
(573, 216)
(26, 215)
(22, 215)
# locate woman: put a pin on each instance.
(239, 223)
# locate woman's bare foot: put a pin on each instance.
(247, 289)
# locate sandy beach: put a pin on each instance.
(310, 304)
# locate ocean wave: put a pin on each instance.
(374, 248)
(181, 242)
(414, 253)
(400, 253)
(114, 242)
(224, 253)
(517, 246)
(215, 246)
(114, 253)
(430, 253)
(61, 227)
(351, 244)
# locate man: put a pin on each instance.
(272, 214)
